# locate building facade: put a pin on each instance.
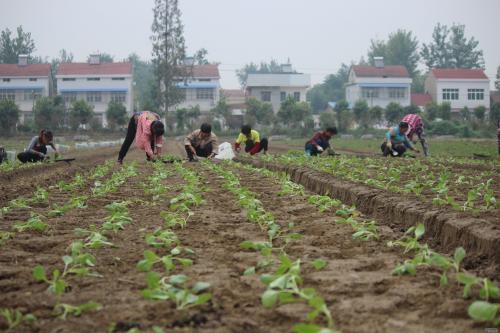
(275, 88)
(379, 85)
(98, 84)
(24, 84)
(460, 87)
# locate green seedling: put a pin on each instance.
(168, 261)
(62, 310)
(410, 240)
(488, 289)
(445, 264)
(93, 238)
(4, 236)
(485, 312)
(324, 203)
(319, 264)
(162, 238)
(173, 220)
(119, 217)
(175, 289)
(57, 285)
(311, 328)
(15, 318)
(40, 195)
(34, 223)
(79, 262)
(76, 202)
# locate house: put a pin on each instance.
(379, 85)
(236, 102)
(98, 84)
(420, 100)
(24, 83)
(201, 88)
(460, 87)
(276, 87)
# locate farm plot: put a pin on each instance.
(217, 248)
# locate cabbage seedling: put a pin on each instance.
(63, 310)
(34, 223)
(162, 238)
(15, 317)
(94, 239)
(485, 312)
(151, 258)
(40, 195)
(4, 236)
(57, 285)
(78, 262)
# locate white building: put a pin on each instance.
(23, 84)
(274, 88)
(201, 88)
(460, 87)
(378, 85)
(97, 83)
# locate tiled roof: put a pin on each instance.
(386, 71)
(28, 70)
(420, 99)
(458, 73)
(106, 68)
(204, 71)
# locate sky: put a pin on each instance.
(317, 36)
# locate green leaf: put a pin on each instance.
(482, 311)
(153, 280)
(266, 278)
(200, 286)
(178, 279)
(459, 255)
(150, 255)
(269, 298)
(203, 298)
(419, 231)
(249, 271)
(319, 264)
(310, 328)
(175, 251)
(185, 262)
(144, 265)
(39, 273)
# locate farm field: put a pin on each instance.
(239, 247)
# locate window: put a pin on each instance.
(282, 96)
(33, 79)
(69, 79)
(475, 94)
(369, 92)
(296, 96)
(450, 94)
(29, 95)
(204, 93)
(69, 97)
(93, 79)
(118, 97)
(118, 78)
(6, 80)
(204, 80)
(265, 96)
(397, 92)
(94, 97)
(7, 95)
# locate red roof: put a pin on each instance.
(386, 71)
(420, 99)
(105, 68)
(28, 70)
(458, 73)
(204, 71)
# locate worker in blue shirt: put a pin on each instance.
(396, 142)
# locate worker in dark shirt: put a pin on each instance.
(37, 149)
(320, 141)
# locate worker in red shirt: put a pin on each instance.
(320, 141)
(416, 126)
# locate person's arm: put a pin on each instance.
(238, 142)
(388, 139)
(188, 140)
(213, 141)
(159, 144)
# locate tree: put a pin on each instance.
(64, 57)
(332, 89)
(361, 114)
(144, 83)
(200, 57)
(81, 113)
(49, 112)
(292, 113)
(258, 112)
(180, 119)
(376, 114)
(104, 57)
(401, 48)
(480, 113)
(445, 111)
(343, 115)
(465, 114)
(495, 113)
(393, 113)
(192, 114)
(497, 82)
(11, 47)
(431, 111)
(116, 114)
(411, 109)
(450, 48)
(327, 119)
(272, 67)
(9, 116)
(169, 51)
(221, 110)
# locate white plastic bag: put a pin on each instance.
(225, 152)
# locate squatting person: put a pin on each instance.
(320, 141)
(37, 148)
(416, 126)
(396, 142)
(201, 143)
(253, 143)
(147, 130)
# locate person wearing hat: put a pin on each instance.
(37, 148)
(396, 142)
(253, 143)
(201, 143)
(147, 130)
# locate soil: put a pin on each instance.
(357, 283)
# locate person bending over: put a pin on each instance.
(320, 141)
(201, 143)
(396, 142)
(253, 143)
(416, 127)
(37, 148)
(147, 130)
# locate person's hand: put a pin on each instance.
(42, 155)
(319, 148)
(389, 145)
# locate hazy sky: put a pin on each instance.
(316, 35)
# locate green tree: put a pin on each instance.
(343, 115)
(292, 113)
(221, 110)
(104, 57)
(361, 114)
(497, 82)
(258, 112)
(81, 113)
(465, 114)
(9, 116)
(180, 119)
(418, 84)
(445, 111)
(480, 113)
(332, 89)
(411, 109)
(265, 67)
(431, 111)
(327, 119)
(49, 112)
(376, 114)
(401, 48)
(64, 57)
(393, 113)
(192, 114)
(200, 57)
(12, 46)
(144, 83)
(116, 114)
(495, 113)
(450, 48)
(169, 51)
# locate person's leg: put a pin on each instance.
(189, 153)
(423, 142)
(385, 150)
(400, 149)
(25, 157)
(205, 151)
(263, 145)
(311, 149)
(129, 138)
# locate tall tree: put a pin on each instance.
(116, 114)
(200, 57)
(258, 112)
(450, 48)
(169, 51)
(343, 115)
(49, 112)
(497, 82)
(361, 114)
(393, 113)
(12, 46)
(332, 89)
(265, 67)
(9, 115)
(401, 48)
(144, 83)
(64, 57)
(81, 113)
